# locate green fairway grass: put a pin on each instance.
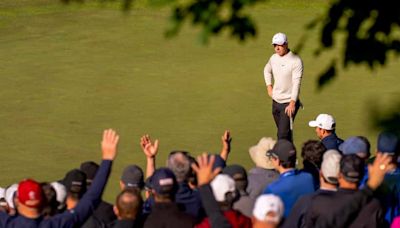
(69, 71)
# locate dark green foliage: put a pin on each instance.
(214, 16)
(387, 119)
(368, 26)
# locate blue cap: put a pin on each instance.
(163, 182)
(388, 143)
(354, 145)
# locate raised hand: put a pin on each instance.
(109, 144)
(226, 140)
(149, 149)
(377, 170)
(204, 169)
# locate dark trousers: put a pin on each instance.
(282, 120)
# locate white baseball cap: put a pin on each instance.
(330, 166)
(2, 192)
(61, 191)
(324, 121)
(221, 185)
(279, 39)
(266, 204)
(9, 195)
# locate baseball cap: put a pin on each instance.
(61, 192)
(2, 193)
(279, 39)
(132, 176)
(352, 167)
(10, 193)
(90, 169)
(354, 145)
(257, 153)
(388, 143)
(30, 193)
(324, 121)
(266, 204)
(221, 185)
(163, 182)
(284, 150)
(331, 165)
(75, 181)
(237, 172)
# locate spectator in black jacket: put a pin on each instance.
(165, 212)
(328, 177)
(324, 209)
(104, 213)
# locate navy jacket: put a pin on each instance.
(189, 201)
(332, 142)
(70, 218)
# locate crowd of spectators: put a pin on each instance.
(341, 184)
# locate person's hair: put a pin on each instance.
(74, 195)
(288, 164)
(50, 203)
(179, 163)
(129, 203)
(312, 151)
(230, 199)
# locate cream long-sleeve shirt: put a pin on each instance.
(286, 72)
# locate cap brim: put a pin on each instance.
(313, 123)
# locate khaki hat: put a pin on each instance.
(258, 153)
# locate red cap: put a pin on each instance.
(30, 193)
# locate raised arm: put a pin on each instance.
(150, 150)
(92, 197)
(205, 174)
(226, 140)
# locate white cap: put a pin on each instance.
(266, 204)
(330, 166)
(279, 39)
(323, 121)
(259, 151)
(221, 185)
(9, 195)
(61, 191)
(2, 192)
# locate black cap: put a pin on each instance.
(284, 150)
(163, 182)
(90, 169)
(352, 168)
(237, 172)
(388, 143)
(132, 177)
(75, 181)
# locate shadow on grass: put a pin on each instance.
(385, 118)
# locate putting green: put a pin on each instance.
(68, 72)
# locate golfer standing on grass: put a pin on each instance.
(286, 70)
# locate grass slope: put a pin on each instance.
(68, 72)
